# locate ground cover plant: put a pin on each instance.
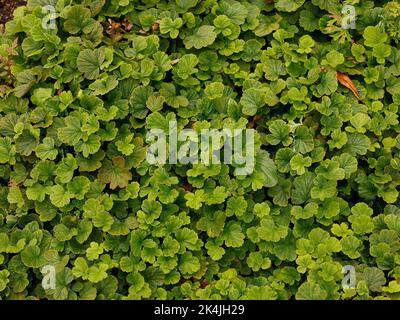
(83, 82)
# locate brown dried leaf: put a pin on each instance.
(253, 122)
(112, 27)
(345, 81)
(175, 61)
(156, 25)
(127, 25)
(204, 284)
(115, 173)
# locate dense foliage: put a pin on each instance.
(76, 191)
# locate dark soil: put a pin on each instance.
(7, 8)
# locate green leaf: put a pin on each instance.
(236, 206)
(90, 61)
(299, 163)
(26, 142)
(375, 278)
(81, 268)
(15, 197)
(233, 235)
(78, 18)
(59, 197)
(303, 140)
(256, 261)
(214, 90)
(7, 151)
(167, 25)
(234, 10)
(32, 257)
(252, 100)
(103, 220)
(104, 85)
(94, 251)
(72, 132)
(328, 84)
(188, 264)
(97, 273)
(78, 187)
(202, 37)
(280, 133)
(214, 251)
(46, 149)
(36, 192)
(357, 144)
(381, 52)
(288, 5)
(374, 36)
(309, 210)
(265, 170)
(218, 195)
(334, 58)
(63, 233)
(351, 246)
(65, 169)
(311, 291)
(90, 146)
(187, 238)
(195, 200)
(4, 280)
(185, 5)
(328, 5)
(306, 44)
(270, 230)
(187, 66)
(323, 188)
